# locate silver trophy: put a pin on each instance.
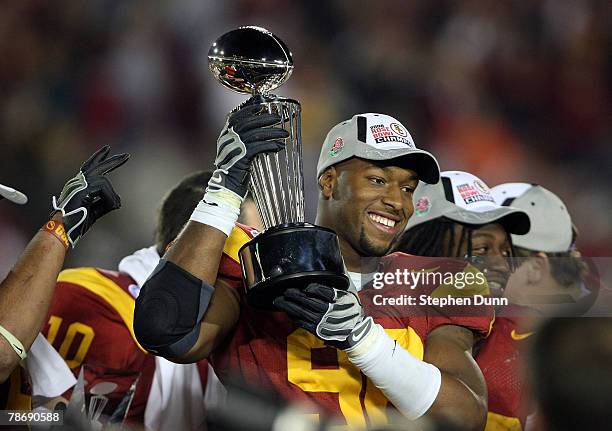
(290, 252)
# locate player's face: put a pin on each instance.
(533, 285)
(373, 202)
(491, 247)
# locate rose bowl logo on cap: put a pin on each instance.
(422, 206)
(477, 191)
(336, 147)
(383, 133)
(399, 129)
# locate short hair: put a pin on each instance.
(570, 362)
(567, 267)
(176, 207)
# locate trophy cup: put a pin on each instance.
(290, 252)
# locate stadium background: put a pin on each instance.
(512, 91)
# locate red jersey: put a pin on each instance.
(267, 349)
(90, 323)
(499, 358)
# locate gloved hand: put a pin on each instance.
(335, 316)
(89, 194)
(247, 133)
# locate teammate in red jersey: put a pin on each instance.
(90, 323)
(187, 310)
(84, 198)
(459, 217)
(499, 356)
(550, 279)
(28, 365)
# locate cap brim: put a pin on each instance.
(513, 220)
(12, 195)
(420, 161)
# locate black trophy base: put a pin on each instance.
(290, 255)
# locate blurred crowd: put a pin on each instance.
(512, 91)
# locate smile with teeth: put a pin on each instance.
(382, 220)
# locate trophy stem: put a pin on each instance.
(298, 148)
(261, 207)
(290, 181)
(290, 163)
(272, 182)
(282, 187)
(263, 194)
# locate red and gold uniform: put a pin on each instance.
(268, 349)
(90, 323)
(499, 358)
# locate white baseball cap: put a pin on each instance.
(12, 195)
(464, 198)
(376, 137)
(551, 230)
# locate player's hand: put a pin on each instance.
(89, 194)
(248, 132)
(333, 315)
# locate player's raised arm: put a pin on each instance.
(26, 292)
(183, 311)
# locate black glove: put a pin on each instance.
(247, 133)
(89, 195)
(335, 316)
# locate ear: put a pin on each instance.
(537, 268)
(327, 182)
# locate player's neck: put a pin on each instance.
(354, 261)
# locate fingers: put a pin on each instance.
(325, 293)
(245, 112)
(96, 158)
(256, 122)
(112, 163)
(263, 134)
(264, 147)
(334, 334)
(300, 298)
(295, 311)
(99, 164)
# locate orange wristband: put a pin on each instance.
(57, 230)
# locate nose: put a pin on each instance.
(392, 197)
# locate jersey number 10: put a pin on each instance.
(87, 335)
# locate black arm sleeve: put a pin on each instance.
(169, 310)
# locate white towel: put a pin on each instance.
(50, 375)
(176, 400)
(140, 264)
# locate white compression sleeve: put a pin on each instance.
(409, 383)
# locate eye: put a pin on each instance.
(408, 189)
(376, 180)
(480, 251)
